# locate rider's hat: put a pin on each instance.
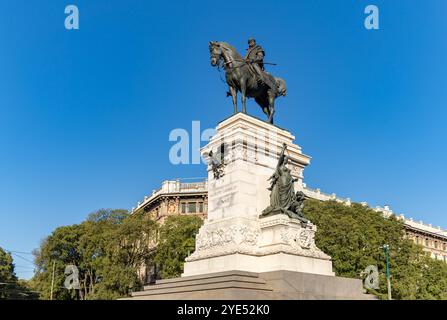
(251, 39)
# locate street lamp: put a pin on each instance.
(386, 249)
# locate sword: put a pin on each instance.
(239, 60)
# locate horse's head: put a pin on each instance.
(281, 86)
(215, 52)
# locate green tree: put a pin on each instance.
(8, 279)
(176, 241)
(353, 236)
(59, 250)
(432, 282)
(10, 286)
(108, 249)
(129, 247)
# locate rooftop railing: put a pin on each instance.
(175, 186)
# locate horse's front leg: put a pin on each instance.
(233, 93)
(243, 95)
(271, 107)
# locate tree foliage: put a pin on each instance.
(108, 249)
(8, 279)
(353, 237)
(10, 286)
(176, 241)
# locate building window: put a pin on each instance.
(200, 206)
(444, 247)
(192, 207)
(417, 239)
(436, 244)
(426, 242)
(183, 205)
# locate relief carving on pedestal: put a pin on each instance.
(306, 238)
(234, 235)
(302, 238)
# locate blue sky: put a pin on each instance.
(85, 115)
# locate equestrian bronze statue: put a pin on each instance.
(247, 76)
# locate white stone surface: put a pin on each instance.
(254, 148)
(272, 262)
(257, 245)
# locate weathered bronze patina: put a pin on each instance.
(247, 76)
(283, 199)
(217, 161)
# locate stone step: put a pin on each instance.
(247, 275)
(234, 278)
(204, 287)
(211, 275)
(221, 280)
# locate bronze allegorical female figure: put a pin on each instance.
(283, 199)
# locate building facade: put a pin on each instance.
(434, 240)
(176, 197)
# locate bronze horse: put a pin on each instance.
(240, 78)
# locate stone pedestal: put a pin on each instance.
(234, 237)
(239, 255)
(257, 245)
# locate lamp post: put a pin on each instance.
(386, 249)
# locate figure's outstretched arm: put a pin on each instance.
(281, 156)
(284, 147)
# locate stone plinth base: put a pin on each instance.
(257, 245)
(266, 263)
(239, 285)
